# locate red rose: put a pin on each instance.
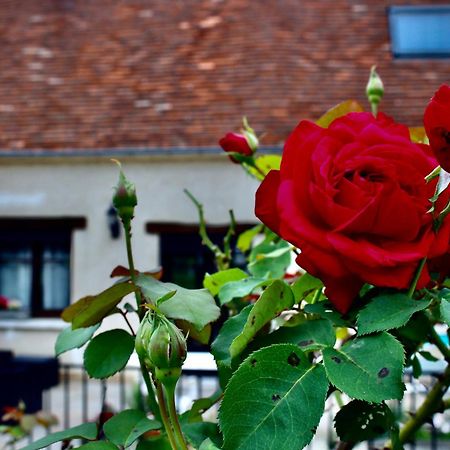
(3, 302)
(236, 143)
(437, 125)
(354, 200)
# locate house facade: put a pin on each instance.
(155, 84)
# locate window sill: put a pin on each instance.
(38, 324)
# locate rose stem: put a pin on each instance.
(412, 288)
(151, 400)
(165, 416)
(170, 392)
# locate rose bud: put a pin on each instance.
(124, 198)
(374, 88)
(437, 125)
(236, 143)
(167, 351)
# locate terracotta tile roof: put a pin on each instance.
(180, 73)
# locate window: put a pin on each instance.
(35, 266)
(420, 31)
(183, 257)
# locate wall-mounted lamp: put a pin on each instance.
(113, 222)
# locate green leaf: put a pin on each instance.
(445, 306)
(273, 389)
(215, 281)
(239, 289)
(84, 431)
(98, 445)
(388, 311)
(165, 297)
(201, 405)
(337, 111)
(418, 134)
(305, 286)
(416, 367)
(92, 309)
(265, 164)
(276, 298)
(197, 432)
(245, 239)
(415, 331)
(124, 428)
(160, 443)
(428, 356)
(270, 260)
(108, 353)
(361, 421)
(207, 444)
(220, 348)
(188, 329)
(69, 339)
(309, 335)
(325, 311)
(196, 306)
(367, 368)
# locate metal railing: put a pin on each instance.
(79, 399)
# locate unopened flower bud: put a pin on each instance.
(237, 144)
(167, 346)
(142, 340)
(240, 146)
(124, 198)
(167, 351)
(374, 88)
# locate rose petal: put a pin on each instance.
(266, 200)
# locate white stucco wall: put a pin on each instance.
(63, 187)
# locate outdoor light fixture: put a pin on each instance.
(113, 222)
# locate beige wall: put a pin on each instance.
(70, 187)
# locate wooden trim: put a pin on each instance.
(189, 228)
(42, 223)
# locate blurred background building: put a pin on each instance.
(156, 83)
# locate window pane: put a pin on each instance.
(420, 31)
(16, 277)
(55, 279)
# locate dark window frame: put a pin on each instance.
(419, 10)
(39, 234)
(192, 242)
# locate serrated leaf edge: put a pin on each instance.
(313, 366)
(365, 399)
(378, 329)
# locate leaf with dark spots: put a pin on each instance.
(362, 372)
(284, 393)
(306, 343)
(293, 359)
(253, 362)
(360, 421)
